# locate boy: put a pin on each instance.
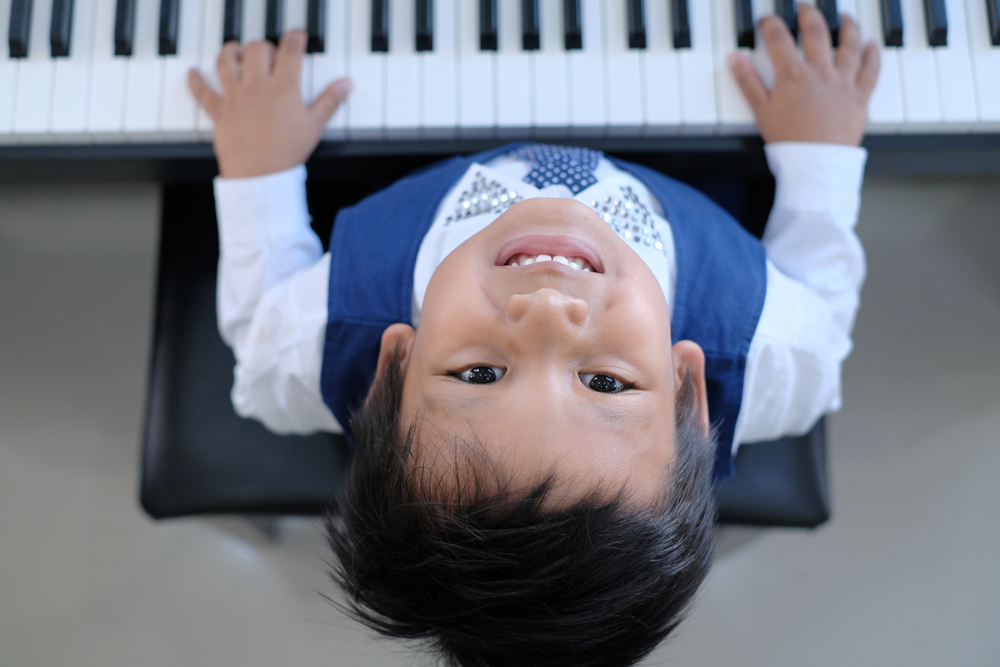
(531, 484)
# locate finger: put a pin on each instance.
(207, 98)
(815, 36)
(780, 46)
(868, 75)
(749, 81)
(848, 58)
(288, 58)
(330, 99)
(258, 60)
(229, 67)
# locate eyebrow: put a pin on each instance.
(624, 416)
(435, 400)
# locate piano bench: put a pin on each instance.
(199, 457)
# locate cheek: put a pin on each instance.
(638, 315)
(457, 299)
(454, 279)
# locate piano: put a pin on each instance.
(107, 78)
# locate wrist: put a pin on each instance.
(242, 168)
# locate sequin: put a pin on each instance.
(631, 219)
(483, 196)
(570, 166)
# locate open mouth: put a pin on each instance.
(536, 248)
(578, 263)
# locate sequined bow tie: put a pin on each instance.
(558, 165)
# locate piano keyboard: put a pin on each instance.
(84, 71)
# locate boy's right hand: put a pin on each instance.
(822, 97)
(262, 125)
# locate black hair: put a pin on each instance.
(486, 576)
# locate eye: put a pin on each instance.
(479, 374)
(604, 383)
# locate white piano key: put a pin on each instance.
(331, 65)
(8, 80)
(623, 73)
(366, 106)
(586, 75)
(402, 72)
(254, 18)
(106, 115)
(295, 19)
(918, 71)
(439, 73)
(663, 93)
(954, 70)
(144, 90)
(985, 65)
(179, 113)
(885, 107)
(33, 107)
(70, 96)
(551, 94)
(696, 72)
(211, 45)
(734, 113)
(514, 73)
(477, 106)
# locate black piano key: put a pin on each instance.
(169, 13)
(316, 26)
(681, 23)
(743, 10)
(124, 27)
(993, 13)
(380, 25)
(636, 25)
(832, 15)
(936, 19)
(232, 21)
(61, 27)
(19, 30)
(786, 10)
(425, 25)
(274, 21)
(487, 25)
(573, 24)
(530, 33)
(892, 23)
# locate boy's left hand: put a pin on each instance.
(820, 97)
(262, 126)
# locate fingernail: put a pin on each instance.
(734, 60)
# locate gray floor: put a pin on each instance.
(905, 573)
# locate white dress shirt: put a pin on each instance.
(274, 278)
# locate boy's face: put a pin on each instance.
(570, 370)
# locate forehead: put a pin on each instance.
(608, 444)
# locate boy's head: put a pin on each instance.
(552, 368)
(532, 484)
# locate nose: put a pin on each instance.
(547, 311)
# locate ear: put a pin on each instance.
(396, 335)
(689, 357)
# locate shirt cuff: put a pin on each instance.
(815, 176)
(253, 210)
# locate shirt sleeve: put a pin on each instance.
(815, 269)
(271, 301)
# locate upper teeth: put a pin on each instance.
(574, 262)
